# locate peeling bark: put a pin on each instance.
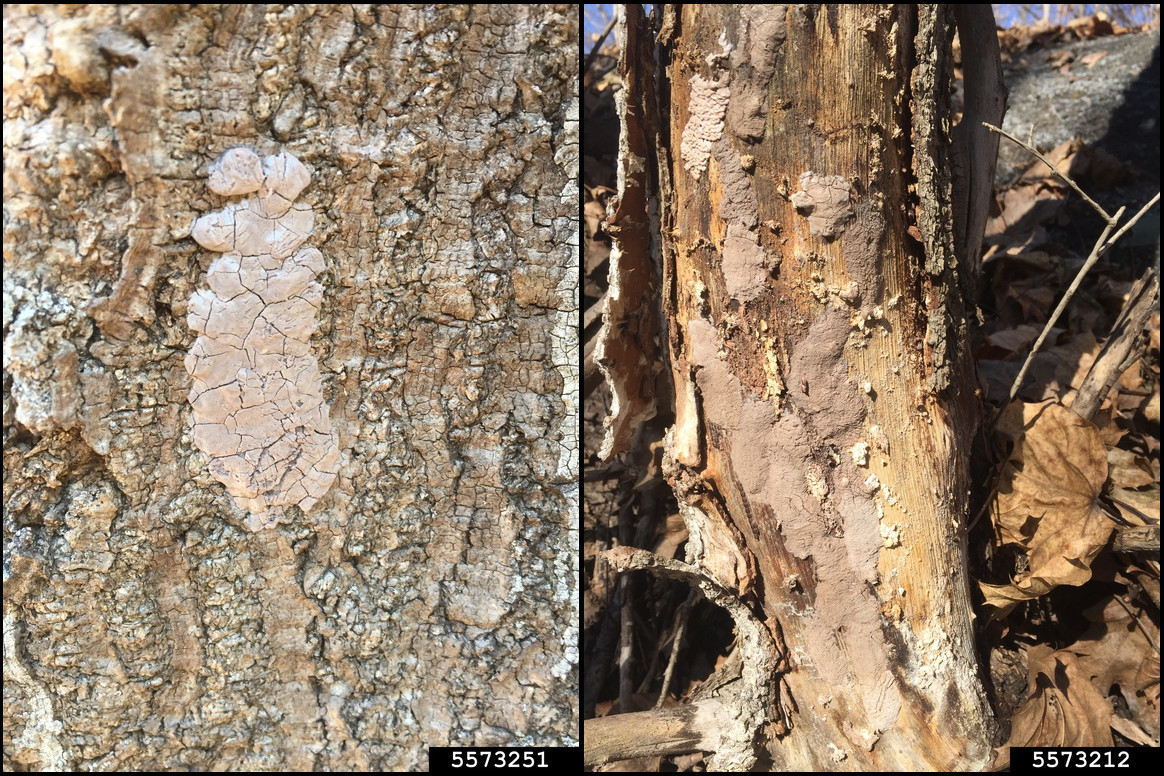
(817, 339)
(627, 349)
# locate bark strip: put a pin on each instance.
(627, 351)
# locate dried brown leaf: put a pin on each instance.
(1014, 340)
(1116, 651)
(1129, 470)
(594, 213)
(1064, 708)
(672, 536)
(1133, 732)
(1092, 58)
(1047, 500)
(1060, 59)
(1138, 507)
(1151, 408)
(1109, 430)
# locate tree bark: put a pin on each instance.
(430, 597)
(816, 257)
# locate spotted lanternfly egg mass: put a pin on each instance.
(257, 398)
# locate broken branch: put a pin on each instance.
(1105, 241)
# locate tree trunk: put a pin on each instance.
(157, 620)
(816, 255)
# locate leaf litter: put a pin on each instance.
(1074, 607)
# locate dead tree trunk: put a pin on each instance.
(814, 246)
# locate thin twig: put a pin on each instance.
(1123, 230)
(1123, 347)
(626, 636)
(1101, 246)
(628, 592)
(985, 506)
(680, 629)
(1096, 251)
(1140, 625)
(600, 41)
(1062, 176)
(612, 472)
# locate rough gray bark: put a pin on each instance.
(429, 598)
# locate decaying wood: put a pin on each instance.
(817, 343)
(975, 149)
(627, 351)
(692, 727)
(1122, 348)
(749, 696)
(1137, 538)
